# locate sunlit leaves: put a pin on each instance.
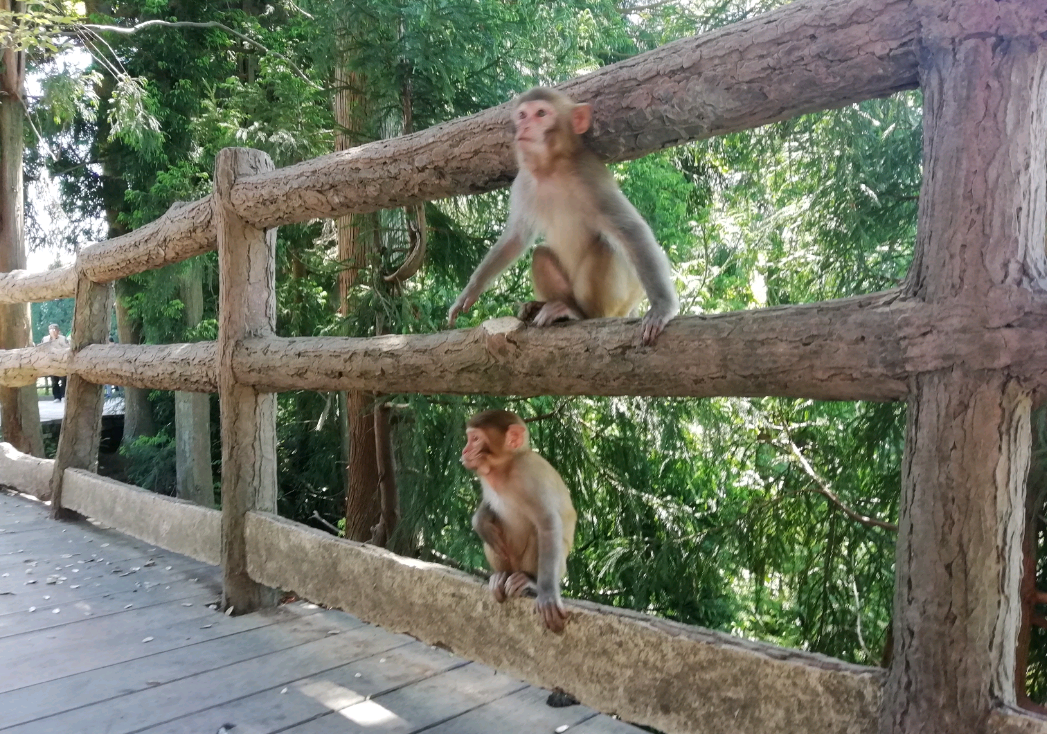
(39, 26)
(132, 117)
(68, 96)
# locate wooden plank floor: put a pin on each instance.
(103, 634)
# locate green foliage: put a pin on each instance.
(69, 96)
(151, 462)
(38, 27)
(132, 118)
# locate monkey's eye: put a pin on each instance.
(540, 113)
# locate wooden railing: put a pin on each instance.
(964, 341)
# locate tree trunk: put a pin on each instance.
(138, 412)
(19, 407)
(362, 501)
(981, 228)
(194, 481)
(387, 487)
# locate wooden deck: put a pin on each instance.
(103, 634)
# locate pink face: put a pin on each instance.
(534, 120)
(476, 448)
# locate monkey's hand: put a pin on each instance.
(464, 303)
(654, 322)
(552, 610)
(519, 584)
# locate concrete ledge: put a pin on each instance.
(653, 672)
(1011, 720)
(28, 474)
(172, 524)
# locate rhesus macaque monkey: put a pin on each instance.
(599, 255)
(525, 519)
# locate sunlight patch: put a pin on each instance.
(331, 695)
(370, 713)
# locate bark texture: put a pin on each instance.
(356, 236)
(862, 348)
(138, 411)
(247, 307)
(981, 227)
(193, 478)
(21, 286)
(957, 600)
(362, 499)
(82, 425)
(19, 410)
(185, 367)
(808, 55)
(388, 489)
(187, 229)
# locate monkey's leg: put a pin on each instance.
(606, 284)
(553, 288)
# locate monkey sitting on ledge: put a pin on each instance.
(525, 519)
(599, 256)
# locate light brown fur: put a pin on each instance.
(525, 519)
(599, 255)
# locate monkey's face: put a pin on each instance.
(477, 450)
(534, 122)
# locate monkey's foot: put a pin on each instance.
(554, 311)
(520, 584)
(497, 586)
(527, 311)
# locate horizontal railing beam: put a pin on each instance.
(863, 348)
(185, 367)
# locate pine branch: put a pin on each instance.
(201, 25)
(822, 488)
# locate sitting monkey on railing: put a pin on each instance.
(599, 254)
(526, 518)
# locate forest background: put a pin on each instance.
(767, 518)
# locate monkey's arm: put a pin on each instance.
(550, 561)
(517, 237)
(628, 229)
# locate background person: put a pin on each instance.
(57, 382)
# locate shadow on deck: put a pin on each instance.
(102, 633)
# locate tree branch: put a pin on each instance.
(822, 488)
(201, 25)
(625, 9)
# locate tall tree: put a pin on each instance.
(194, 481)
(19, 409)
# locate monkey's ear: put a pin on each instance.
(515, 437)
(581, 118)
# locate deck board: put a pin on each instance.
(135, 646)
